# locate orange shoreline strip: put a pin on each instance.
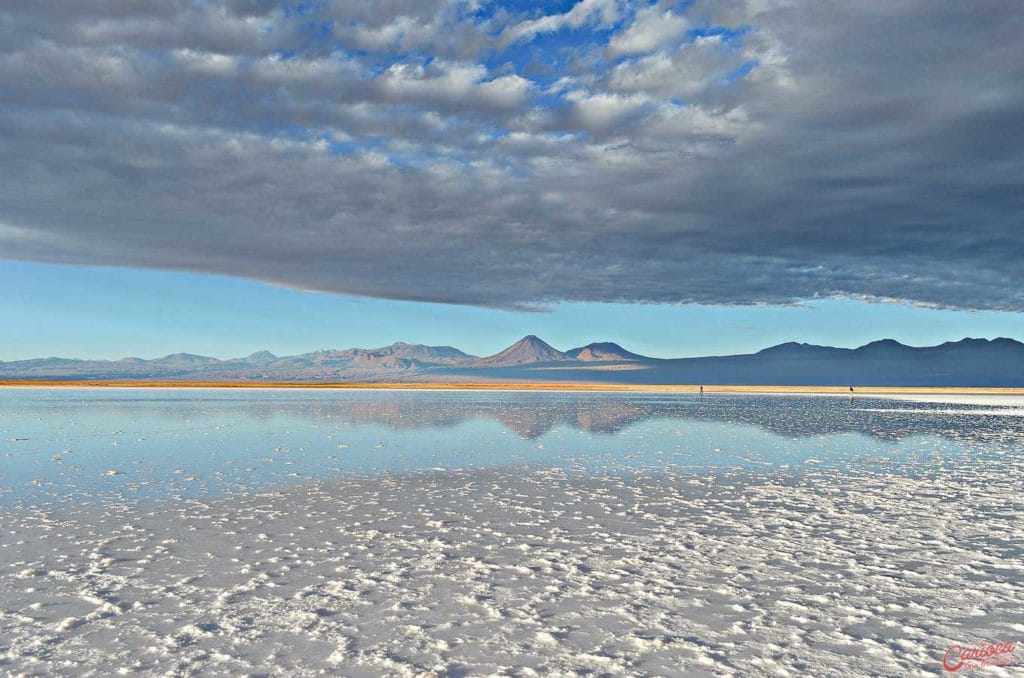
(515, 386)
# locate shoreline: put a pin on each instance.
(521, 386)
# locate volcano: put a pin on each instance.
(529, 349)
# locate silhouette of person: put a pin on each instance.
(702, 389)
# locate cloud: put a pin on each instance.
(684, 73)
(603, 112)
(601, 12)
(729, 152)
(652, 28)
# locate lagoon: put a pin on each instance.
(209, 531)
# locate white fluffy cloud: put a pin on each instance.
(599, 12)
(652, 28)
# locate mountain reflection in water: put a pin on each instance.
(533, 415)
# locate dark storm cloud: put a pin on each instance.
(726, 152)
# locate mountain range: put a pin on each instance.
(968, 362)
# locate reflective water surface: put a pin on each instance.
(456, 533)
(73, 445)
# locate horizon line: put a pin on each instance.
(700, 389)
(524, 338)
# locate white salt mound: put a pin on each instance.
(523, 572)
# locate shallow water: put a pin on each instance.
(67, 445)
(379, 533)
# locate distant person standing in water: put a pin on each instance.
(702, 389)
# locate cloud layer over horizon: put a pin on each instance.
(500, 154)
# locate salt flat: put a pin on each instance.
(525, 572)
(991, 399)
(485, 535)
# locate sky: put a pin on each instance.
(698, 177)
(111, 313)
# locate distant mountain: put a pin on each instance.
(397, 356)
(418, 353)
(603, 351)
(258, 358)
(180, 360)
(529, 349)
(792, 348)
(969, 362)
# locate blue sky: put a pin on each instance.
(105, 312)
(683, 176)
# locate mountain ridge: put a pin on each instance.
(598, 351)
(967, 362)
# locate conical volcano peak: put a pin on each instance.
(529, 349)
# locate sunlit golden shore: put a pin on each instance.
(517, 386)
